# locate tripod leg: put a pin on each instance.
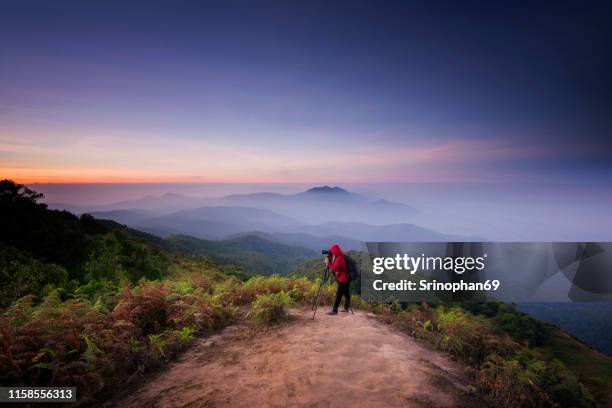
(319, 294)
(316, 306)
(320, 291)
(314, 301)
(314, 311)
(321, 284)
(318, 299)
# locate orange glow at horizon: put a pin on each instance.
(58, 177)
(146, 159)
(55, 176)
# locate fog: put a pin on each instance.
(509, 212)
(497, 212)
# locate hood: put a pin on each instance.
(335, 250)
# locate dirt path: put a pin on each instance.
(333, 361)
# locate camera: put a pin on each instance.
(324, 252)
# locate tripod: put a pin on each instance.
(317, 298)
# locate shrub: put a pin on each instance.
(79, 342)
(461, 334)
(270, 309)
(526, 381)
(261, 285)
(520, 326)
(298, 289)
(231, 292)
(509, 384)
(563, 387)
(146, 307)
(186, 335)
(328, 293)
(20, 275)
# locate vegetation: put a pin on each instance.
(592, 368)
(42, 250)
(92, 304)
(104, 342)
(270, 309)
(250, 253)
(509, 370)
(517, 361)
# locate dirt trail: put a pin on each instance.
(333, 361)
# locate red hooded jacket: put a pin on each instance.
(338, 266)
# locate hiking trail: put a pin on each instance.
(333, 361)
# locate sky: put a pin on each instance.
(305, 92)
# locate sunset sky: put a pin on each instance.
(318, 92)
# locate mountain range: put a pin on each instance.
(203, 222)
(311, 219)
(325, 204)
(318, 204)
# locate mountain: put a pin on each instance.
(324, 204)
(127, 217)
(261, 196)
(329, 192)
(165, 203)
(370, 233)
(215, 223)
(305, 240)
(315, 205)
(251, 253)
(326, 190)
(233, 222)
(311, 219)
(204, 222)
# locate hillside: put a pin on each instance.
(42, 250)
(127, 304)
(212, 222)
(365, 232)
(305, 240)
(251, 253)
(587, 321)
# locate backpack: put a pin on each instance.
(351, 268)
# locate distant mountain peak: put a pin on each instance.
(327, 190)
(172, 195)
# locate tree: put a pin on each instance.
(105, 260)
(9, 190)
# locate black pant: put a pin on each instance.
(343, 289)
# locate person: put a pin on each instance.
(337, 263)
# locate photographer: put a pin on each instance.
(337, 263)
